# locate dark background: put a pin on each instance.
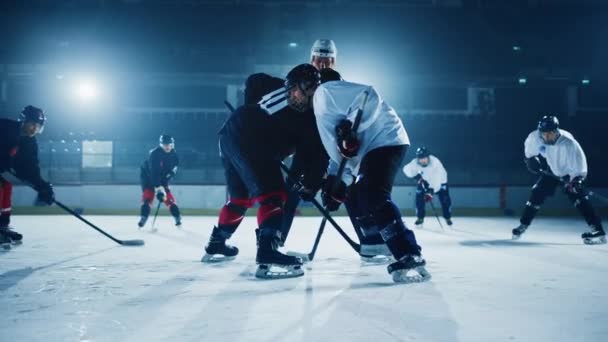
(167, 66)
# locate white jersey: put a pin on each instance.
(434, 173)
(379, 126)
(565, 157)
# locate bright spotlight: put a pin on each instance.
(87, 90)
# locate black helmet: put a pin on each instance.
(33, 114)
(166, 139)
(329, 74)
(422, 152)
(548, 123)
(305, 76)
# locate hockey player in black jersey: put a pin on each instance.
(155, 174)
(19, 155)
(253, 141)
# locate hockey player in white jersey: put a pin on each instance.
(432, 179)
(374, 144)
(557, 157)
(323, 54)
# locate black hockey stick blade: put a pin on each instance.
(118, 241)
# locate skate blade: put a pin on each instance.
(302, 256)
(6, 246)
(376, 259)
(16, 243)
(516, 237)
(265, 271)
(419, 226)
(216, 258)
(595, 241)
(414, 275)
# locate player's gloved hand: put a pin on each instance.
(428, 195)
(46, 194)
(333, 193)
(348, 144)
(160, 193)
(576, 185)
(307, 194)
(534, 165)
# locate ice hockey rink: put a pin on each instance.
(69, 283)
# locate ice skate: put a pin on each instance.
(596, 236)
(517, 232)
(273, 264)
(409, 269)
(217, 250)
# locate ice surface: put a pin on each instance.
(69, 283)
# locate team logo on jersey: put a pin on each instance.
(543, 148)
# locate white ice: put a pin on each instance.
(69, 283)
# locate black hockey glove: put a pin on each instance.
(160, 193)
(46, 194)
(333, 193)
(535, 165)
(576, 185)
(348, 144)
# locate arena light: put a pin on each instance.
(293, 45)
(522, 80)
(87, 90)
(585, 81)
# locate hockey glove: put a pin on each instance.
(46, 194)
(428, 195)
(576, 185)
(333, 193)
(535, 165)
(160, 193)
(348, 144)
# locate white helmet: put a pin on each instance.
(323, 48)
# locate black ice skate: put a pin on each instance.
(15, 238)
(217, 250)
(273, 264)
(178, 222)
(5, 241)
(142, 221)
(409, 269)
(449, 221)
(419, 222)
(596, 236)
(517, 232)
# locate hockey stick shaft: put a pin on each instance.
(312, 253)
(118, 241)
(325, 213)
(591, 192)
(156, 213)
(436, 216)
(66, 208)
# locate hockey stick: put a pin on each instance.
(118, 241)
(436, 216)
(341, 168)
(64, 207)
(590, 193)
(229, 105)
(326, 216)
(432, 205)
(156, 214)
